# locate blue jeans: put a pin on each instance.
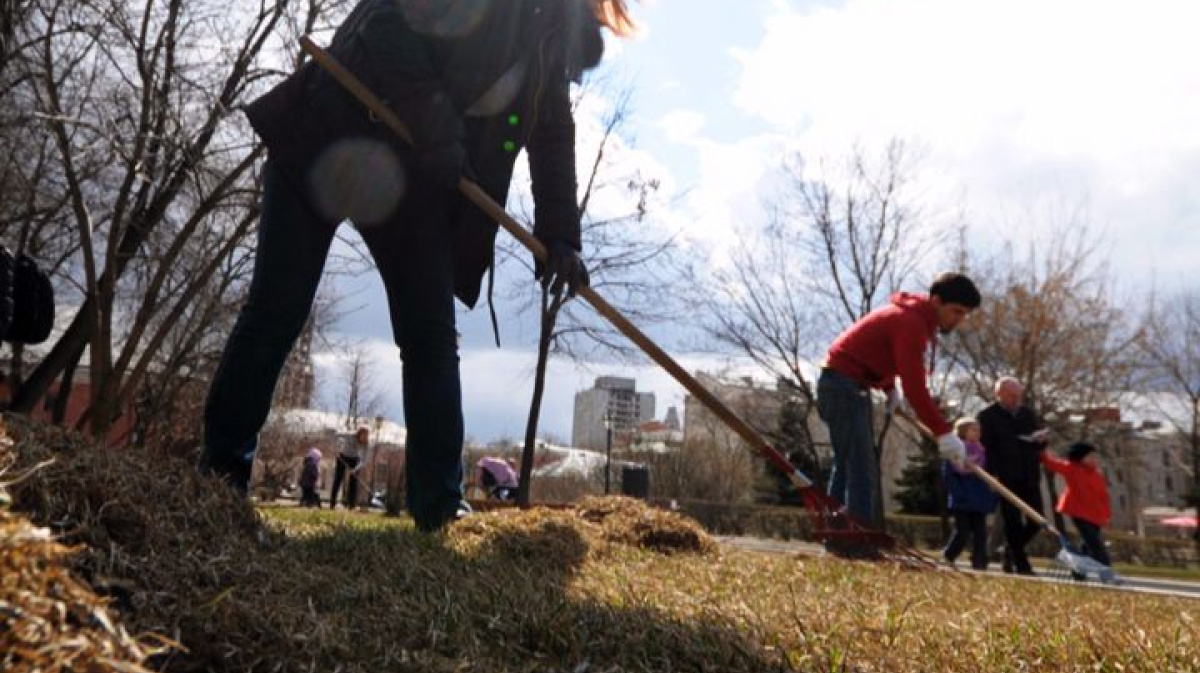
(845, 406)
(412, 250)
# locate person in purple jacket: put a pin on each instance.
(968, 498)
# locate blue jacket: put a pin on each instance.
(965, 491)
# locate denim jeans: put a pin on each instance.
(412, 250)
(845, 406)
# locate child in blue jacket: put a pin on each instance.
(969, 498)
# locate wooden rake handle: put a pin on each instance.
(480, 198)
(991, 481)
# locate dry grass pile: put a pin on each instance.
(630, 522)
(49, 621)
(163, 543)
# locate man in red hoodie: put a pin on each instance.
(890, 341)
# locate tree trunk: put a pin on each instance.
(59, 415)
(549, 313)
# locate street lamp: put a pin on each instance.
(374, 457)
(608, 429)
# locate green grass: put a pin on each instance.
(541, 591)
(536, 592)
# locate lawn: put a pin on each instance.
(610, 586)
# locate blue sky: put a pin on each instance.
(1016, 102)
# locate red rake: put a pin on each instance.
(833, 522)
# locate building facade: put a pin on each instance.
(615, 399)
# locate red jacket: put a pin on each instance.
(1086, 496)
(888, 342)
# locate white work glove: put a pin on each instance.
(951, 448)
(1038, 437)
(896, 403)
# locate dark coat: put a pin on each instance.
(1012, 460)
(432, 62)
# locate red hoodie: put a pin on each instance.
(888, 342)
(1086, 495)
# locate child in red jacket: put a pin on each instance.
(1085, 499)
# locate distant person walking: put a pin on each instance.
(349, 461)
(969, 499)
(890, 342)
(1085, 500)
(310, 479)
(1010, 433)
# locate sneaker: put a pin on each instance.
(463, 510)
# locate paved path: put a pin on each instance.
(1148, 585)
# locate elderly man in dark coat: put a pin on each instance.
(475, 81)
(1013, 441)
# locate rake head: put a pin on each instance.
(836, 527)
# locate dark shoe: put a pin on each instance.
(1028, 572)
(232, 471)
(437, 524)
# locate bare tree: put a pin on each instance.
(137, 132)
(624, 259)
(362, 395)
(1172, 346)
(840, 236)
(1049, 318)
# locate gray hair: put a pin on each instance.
(1007, 381)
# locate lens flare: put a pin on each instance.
(359, 179)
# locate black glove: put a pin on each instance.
(444, 165)
(563, 267)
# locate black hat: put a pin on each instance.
(1078, 450)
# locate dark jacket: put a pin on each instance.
(1012, 460)
(432, 63)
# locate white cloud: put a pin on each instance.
(681, 125)
(1013, 97)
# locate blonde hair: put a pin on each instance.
(614, 15)
(961, 425)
